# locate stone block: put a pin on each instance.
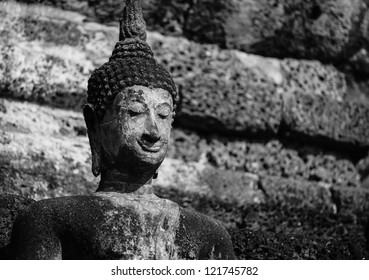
(39, 166)
(222, 90)
(300, 29)
(278, 158)
(324, 30)
(44, 154)
(48, 149)
(313, 78)
(47, 55)
(267, 157)
(294, 208)
(326, 119)
(44, 151)
(233, 187)
(309, 210)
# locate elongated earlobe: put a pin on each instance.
(96, 164)
(93, 136)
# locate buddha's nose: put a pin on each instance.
(151, 132)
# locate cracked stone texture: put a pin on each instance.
(48, 156)
(203, 73)
(45, 153)
(328, 30)
(320, 118)
(47, 148)
(343, 122)
(266, 157)
(313, 78)
(41, 54)
(222, 90)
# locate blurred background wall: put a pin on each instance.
(272, 133)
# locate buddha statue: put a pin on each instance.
(130, 110)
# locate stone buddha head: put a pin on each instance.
(131, 106)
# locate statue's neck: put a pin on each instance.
(116, 181)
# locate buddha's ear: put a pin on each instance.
(94, 137)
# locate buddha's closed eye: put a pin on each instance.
(136, 108)
(163, 110)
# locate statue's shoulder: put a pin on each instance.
(62, 205)
(11, 206)
(40, 229)
(203, 237)
(55, 215)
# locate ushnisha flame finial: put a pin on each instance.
(132, 23)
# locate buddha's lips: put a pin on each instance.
(150, 148)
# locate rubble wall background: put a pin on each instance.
(271, 136)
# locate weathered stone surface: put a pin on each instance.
(266, 157)
(10, 207)
(44, 151)
(222, 90)
(40, 167)
(363, 166)
(276, 158)
(326, 119)
(39, 77)
(313, 78)
(206, 75)
(325, 30)
(116, 226)
(46, 55)
(301, 201)
(363, 169)
(359, 62)
(43, 156)
(56, 142)
(200, 179)
(341, 216)
(357, 89)
(303, 29)
(294, 208)
(236, 198)
(311, 199)
(261, 245)
(124, 219)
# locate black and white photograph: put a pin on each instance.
(220, 130)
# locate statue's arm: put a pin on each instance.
(202, 237)
(222, 242)
(33, 236)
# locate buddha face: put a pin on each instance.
(135, 130)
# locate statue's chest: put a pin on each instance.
(144, 230)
